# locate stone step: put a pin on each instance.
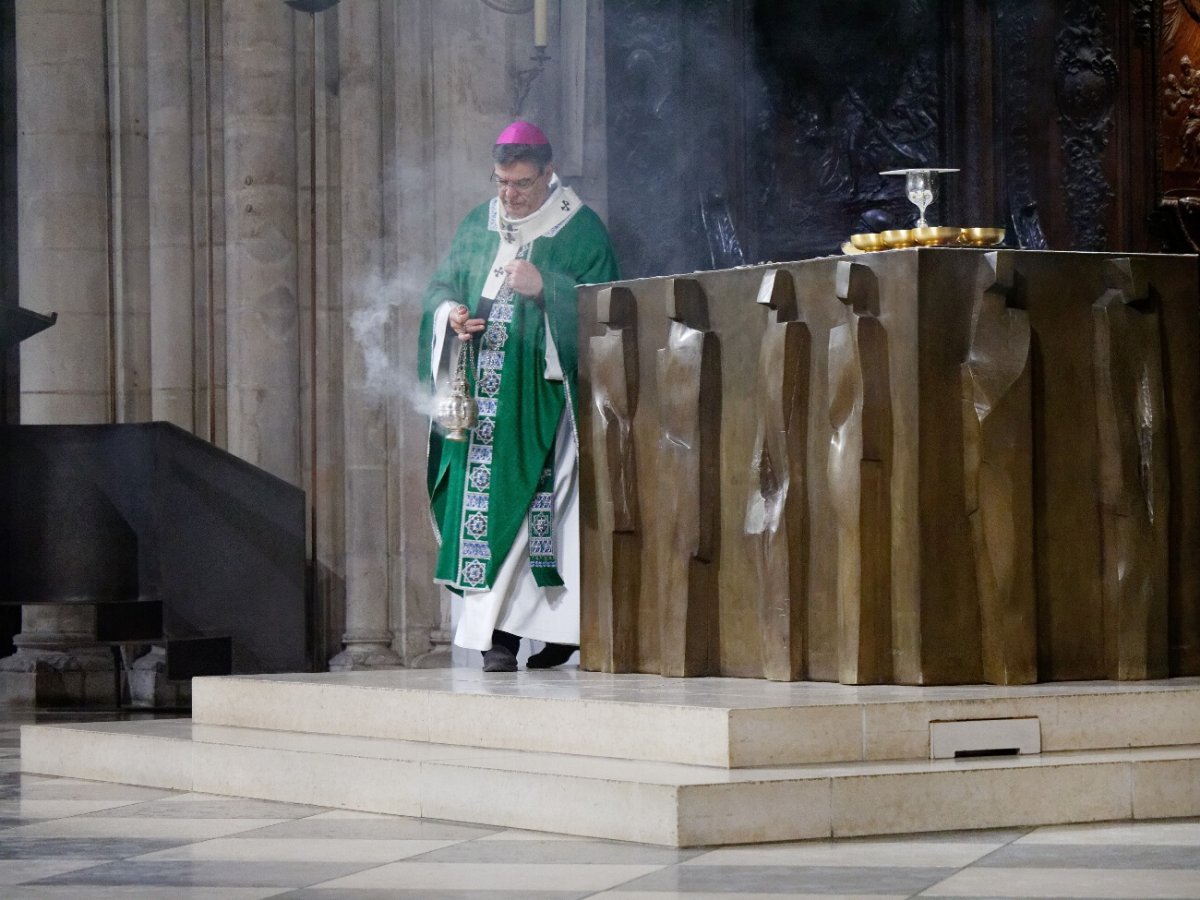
(649, 802)
(725, 722)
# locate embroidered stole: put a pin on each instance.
(474, 549)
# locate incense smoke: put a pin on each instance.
(388, 316)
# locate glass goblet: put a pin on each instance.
(918, 184)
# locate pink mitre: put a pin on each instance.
(522, 133)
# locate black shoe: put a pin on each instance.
(499, 659)
(551, 655)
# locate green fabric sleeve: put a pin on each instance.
(459, 279)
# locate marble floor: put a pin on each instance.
(68, 838)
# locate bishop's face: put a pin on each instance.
(522, 187)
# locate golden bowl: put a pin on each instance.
(850, 250)
(981, 237)
(936, 235)
(867, 242)
(897, 238)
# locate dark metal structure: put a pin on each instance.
(1059, 114)
(129, 514)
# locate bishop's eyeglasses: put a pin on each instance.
(520, 185)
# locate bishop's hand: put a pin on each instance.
(524, 277)
(463, 325)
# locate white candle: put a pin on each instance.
(539, 23)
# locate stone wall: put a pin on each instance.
(169, 155)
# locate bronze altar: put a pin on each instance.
(925, 466)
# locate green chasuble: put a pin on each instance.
(482, 490)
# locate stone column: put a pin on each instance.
(423, 617)
(321, 323)
(365, 308)
(68, 372)
(62, 178)
(169, 294)
(263, 346)
(208, 219)
(172, 317)
(129, 228)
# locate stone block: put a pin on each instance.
(50, 408)
(48, 367)
(60, 98)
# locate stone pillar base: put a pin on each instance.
(439, 656)
(83, 676)
(148, 687)
(358, 656)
